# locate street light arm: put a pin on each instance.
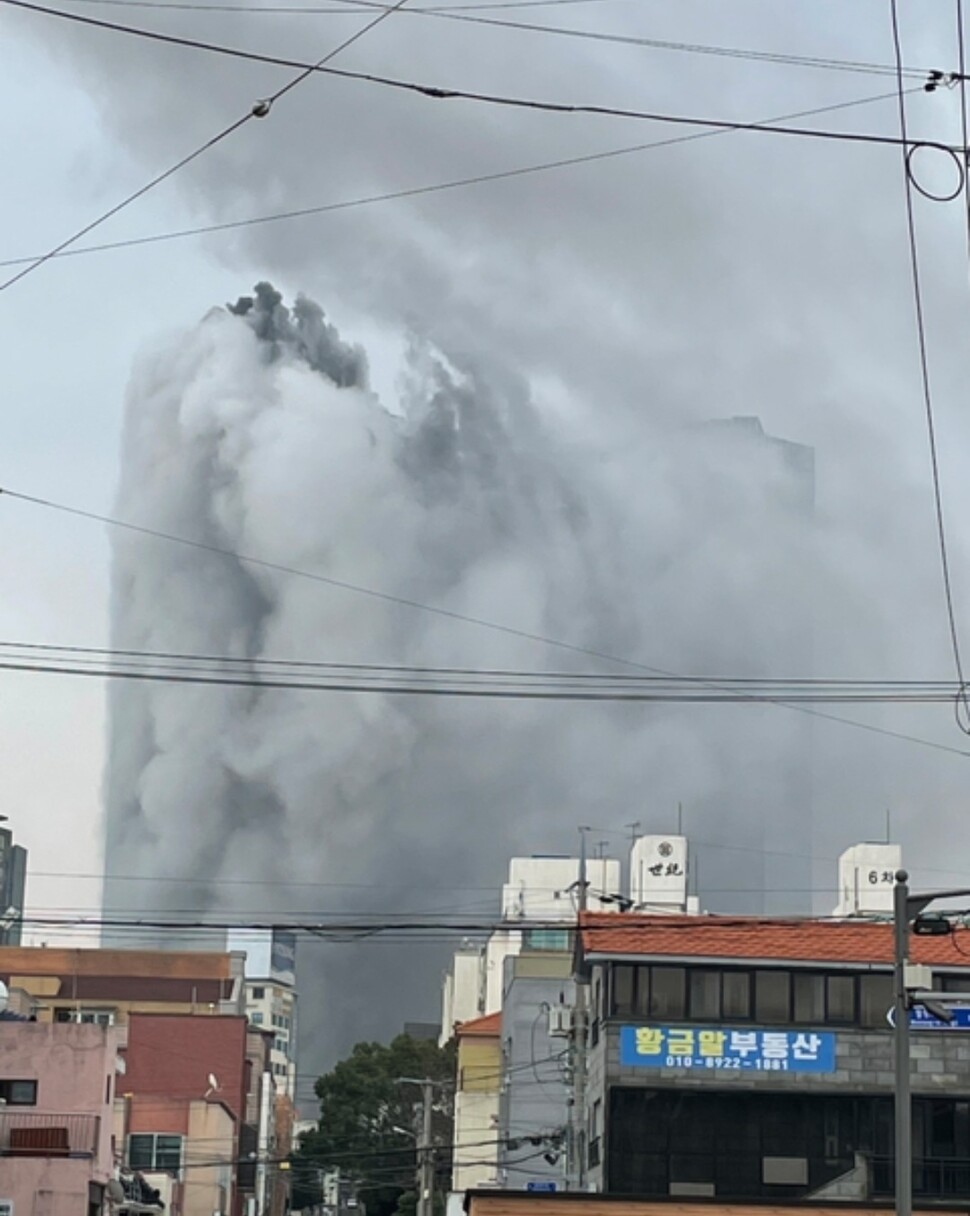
(915, 904)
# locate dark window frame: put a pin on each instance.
(8, 1092)
(156, 1161)
(640, 1003)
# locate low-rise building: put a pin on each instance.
(479, 1080)
(57, 1085)
(197, 1116)
(105, 986)
(521, 1203)
(752, 1059)
(538, 889)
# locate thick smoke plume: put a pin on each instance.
(698, 550)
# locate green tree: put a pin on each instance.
(370, 1121)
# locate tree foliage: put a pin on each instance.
(366, 1114)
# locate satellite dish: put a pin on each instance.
(116, 1192)
(4, 996)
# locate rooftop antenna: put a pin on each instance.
(634, 830)
(680, 819)
(889, 816)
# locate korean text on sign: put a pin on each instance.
(727, 1048)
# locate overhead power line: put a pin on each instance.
(463, 13)
(390, 679)
(446, 613)
(260, 109)
(436, 93)
(961, 700)
(481, 690)
(438, 187)
(116, 654)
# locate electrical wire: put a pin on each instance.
(961, 699)
(182, 660)
(446, 613)
(260, 109)
(434, 92)
(438, 187)
(522, 691)
(459, 13)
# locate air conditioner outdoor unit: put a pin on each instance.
(560, 1021)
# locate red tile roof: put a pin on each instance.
(485, 1027)
(815, 941)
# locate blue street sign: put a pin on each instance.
(920, 1018)
(729, 1048)
(547, 1188)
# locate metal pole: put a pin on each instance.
(425, 1203)
(903, 1099)
(579, 1044)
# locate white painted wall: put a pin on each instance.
(866, 874)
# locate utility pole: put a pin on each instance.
(903, 1100)
(426, 1153)
(580, 1017)
(425, 1204)
(908, 907)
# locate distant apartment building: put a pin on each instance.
(271, 995)
(57, 1085)
(13, 887)
(106, 986)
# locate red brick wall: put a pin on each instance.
(173, 1056)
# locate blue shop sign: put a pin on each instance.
(728, 1049)
(920, 1018)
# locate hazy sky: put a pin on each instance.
(734, 275)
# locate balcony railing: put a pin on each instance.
(933, 1177)
(33, 1134)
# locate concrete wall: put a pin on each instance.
(535, 1092)
(210, 1148)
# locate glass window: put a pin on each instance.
(841, 999)
(641, 1001)
(147, 1151)
(256, 1018)
(141, 1152)
(168, 1152)
(772, 998)
(875, 999)
(547, 939)
(258, 994)
(705, 995)
(736, 995)
(808, 991)
(18, 1093)
(667, 992)
(622, 1001)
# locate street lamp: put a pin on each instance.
(907, 908)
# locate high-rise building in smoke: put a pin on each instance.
(455, 527)
(13, 886)
(756, 496)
